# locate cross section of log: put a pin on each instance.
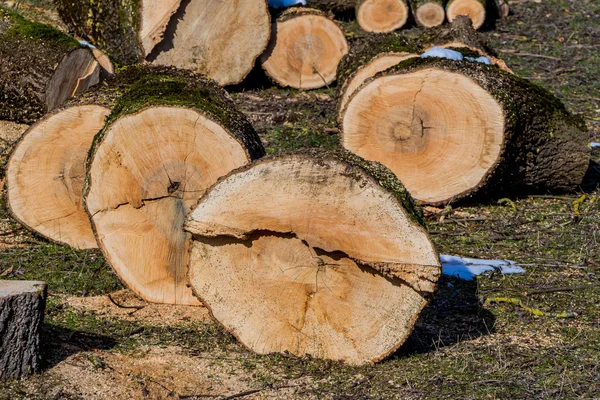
(474, 9)
(428, 13)
(22, 306)
(381, 16)
(168, 138)
(338, 265)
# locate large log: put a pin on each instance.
(474, 9)
(338, 265)
(428, 13)
(221, 39)
(168, 138)
(40, 68)
(46, 171)
(381, 16)
(305, 49)
(453, 129)
(22, 306)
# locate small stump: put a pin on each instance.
(22, 306)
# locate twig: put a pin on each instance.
(516, 53)
(531, 310)
(121, 305)
(554, 290)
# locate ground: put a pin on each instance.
(465, 344)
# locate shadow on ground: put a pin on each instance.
(454, 314)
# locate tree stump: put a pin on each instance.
(453, 129)
(428, 13)
(40, 68)
(305, 49)
(22, 306)
(168, 138)
(381, 16)
(44, 188)
(337, 266)
(474, 9)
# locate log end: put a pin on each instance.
(381, 16)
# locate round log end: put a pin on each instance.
(474, 9)
(382, 15)
(430, 14)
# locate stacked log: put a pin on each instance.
(305, 49)
(428, 13)
(221, 39)
(476, 10)
(22, 306)
(168, 138)
(46, 171)
(340, 243)
(452, 129)
(382, 16)
(40, 68)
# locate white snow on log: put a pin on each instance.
(86, 43)
(469, 268)
(285, 3)
(442, 53)
(481, 60)
(595, 145)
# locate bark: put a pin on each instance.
(109, 25)
(335, 6)
(459, 31)
(340, 230)
(22, 306)
(32, 56)
(544, 146)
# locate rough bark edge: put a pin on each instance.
(460, 30)
(334, 6)
(497, 181)
(375, 171)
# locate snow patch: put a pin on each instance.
(285, 3)
(453, 55)
(86, 43)
(469, 268)
(595, 145)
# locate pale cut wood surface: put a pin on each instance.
(333, 266)
(46, 173)
(430, 14)
(380, 63)
(154, 18)
(219, 38)
(304, 51)
(382, 15)
(474, 9)
(439, 132)
(145, 175)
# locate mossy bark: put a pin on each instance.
(294, 12)
(335, 6)
(22, 307)
(459, 31)
(109, 25)
(545, 146)
(29, 55)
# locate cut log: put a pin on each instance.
(305, 49)
(428, 13)
(128, 30)
(46, 172)
(453, 129)
(372, 55)
(474, 9)
(337, 266)
(221, 39)
(169, 137)
(40, 68)
(22, 306)
(381, 15)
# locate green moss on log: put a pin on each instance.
(460, 30)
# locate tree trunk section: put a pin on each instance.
(44, 187)
(168, 138)
(381, 16)
(474, 9)
(221, 39)
(428, 13)
(334, 6)
(450, 130)
(40, 68)
(372, 55)
(305, 49)
(337, 266)
(22, 306)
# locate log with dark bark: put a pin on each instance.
(168, 138)
(373, 54)
(221, 39)
(453, 129)
(334, 6)
(46, 171)
(22, 306)
(474, 9)
(338, 265)
(381, 15)
(305, 49)
(428, 13)
(40, 68)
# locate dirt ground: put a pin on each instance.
(101, 342)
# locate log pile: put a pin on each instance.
(40, 68)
